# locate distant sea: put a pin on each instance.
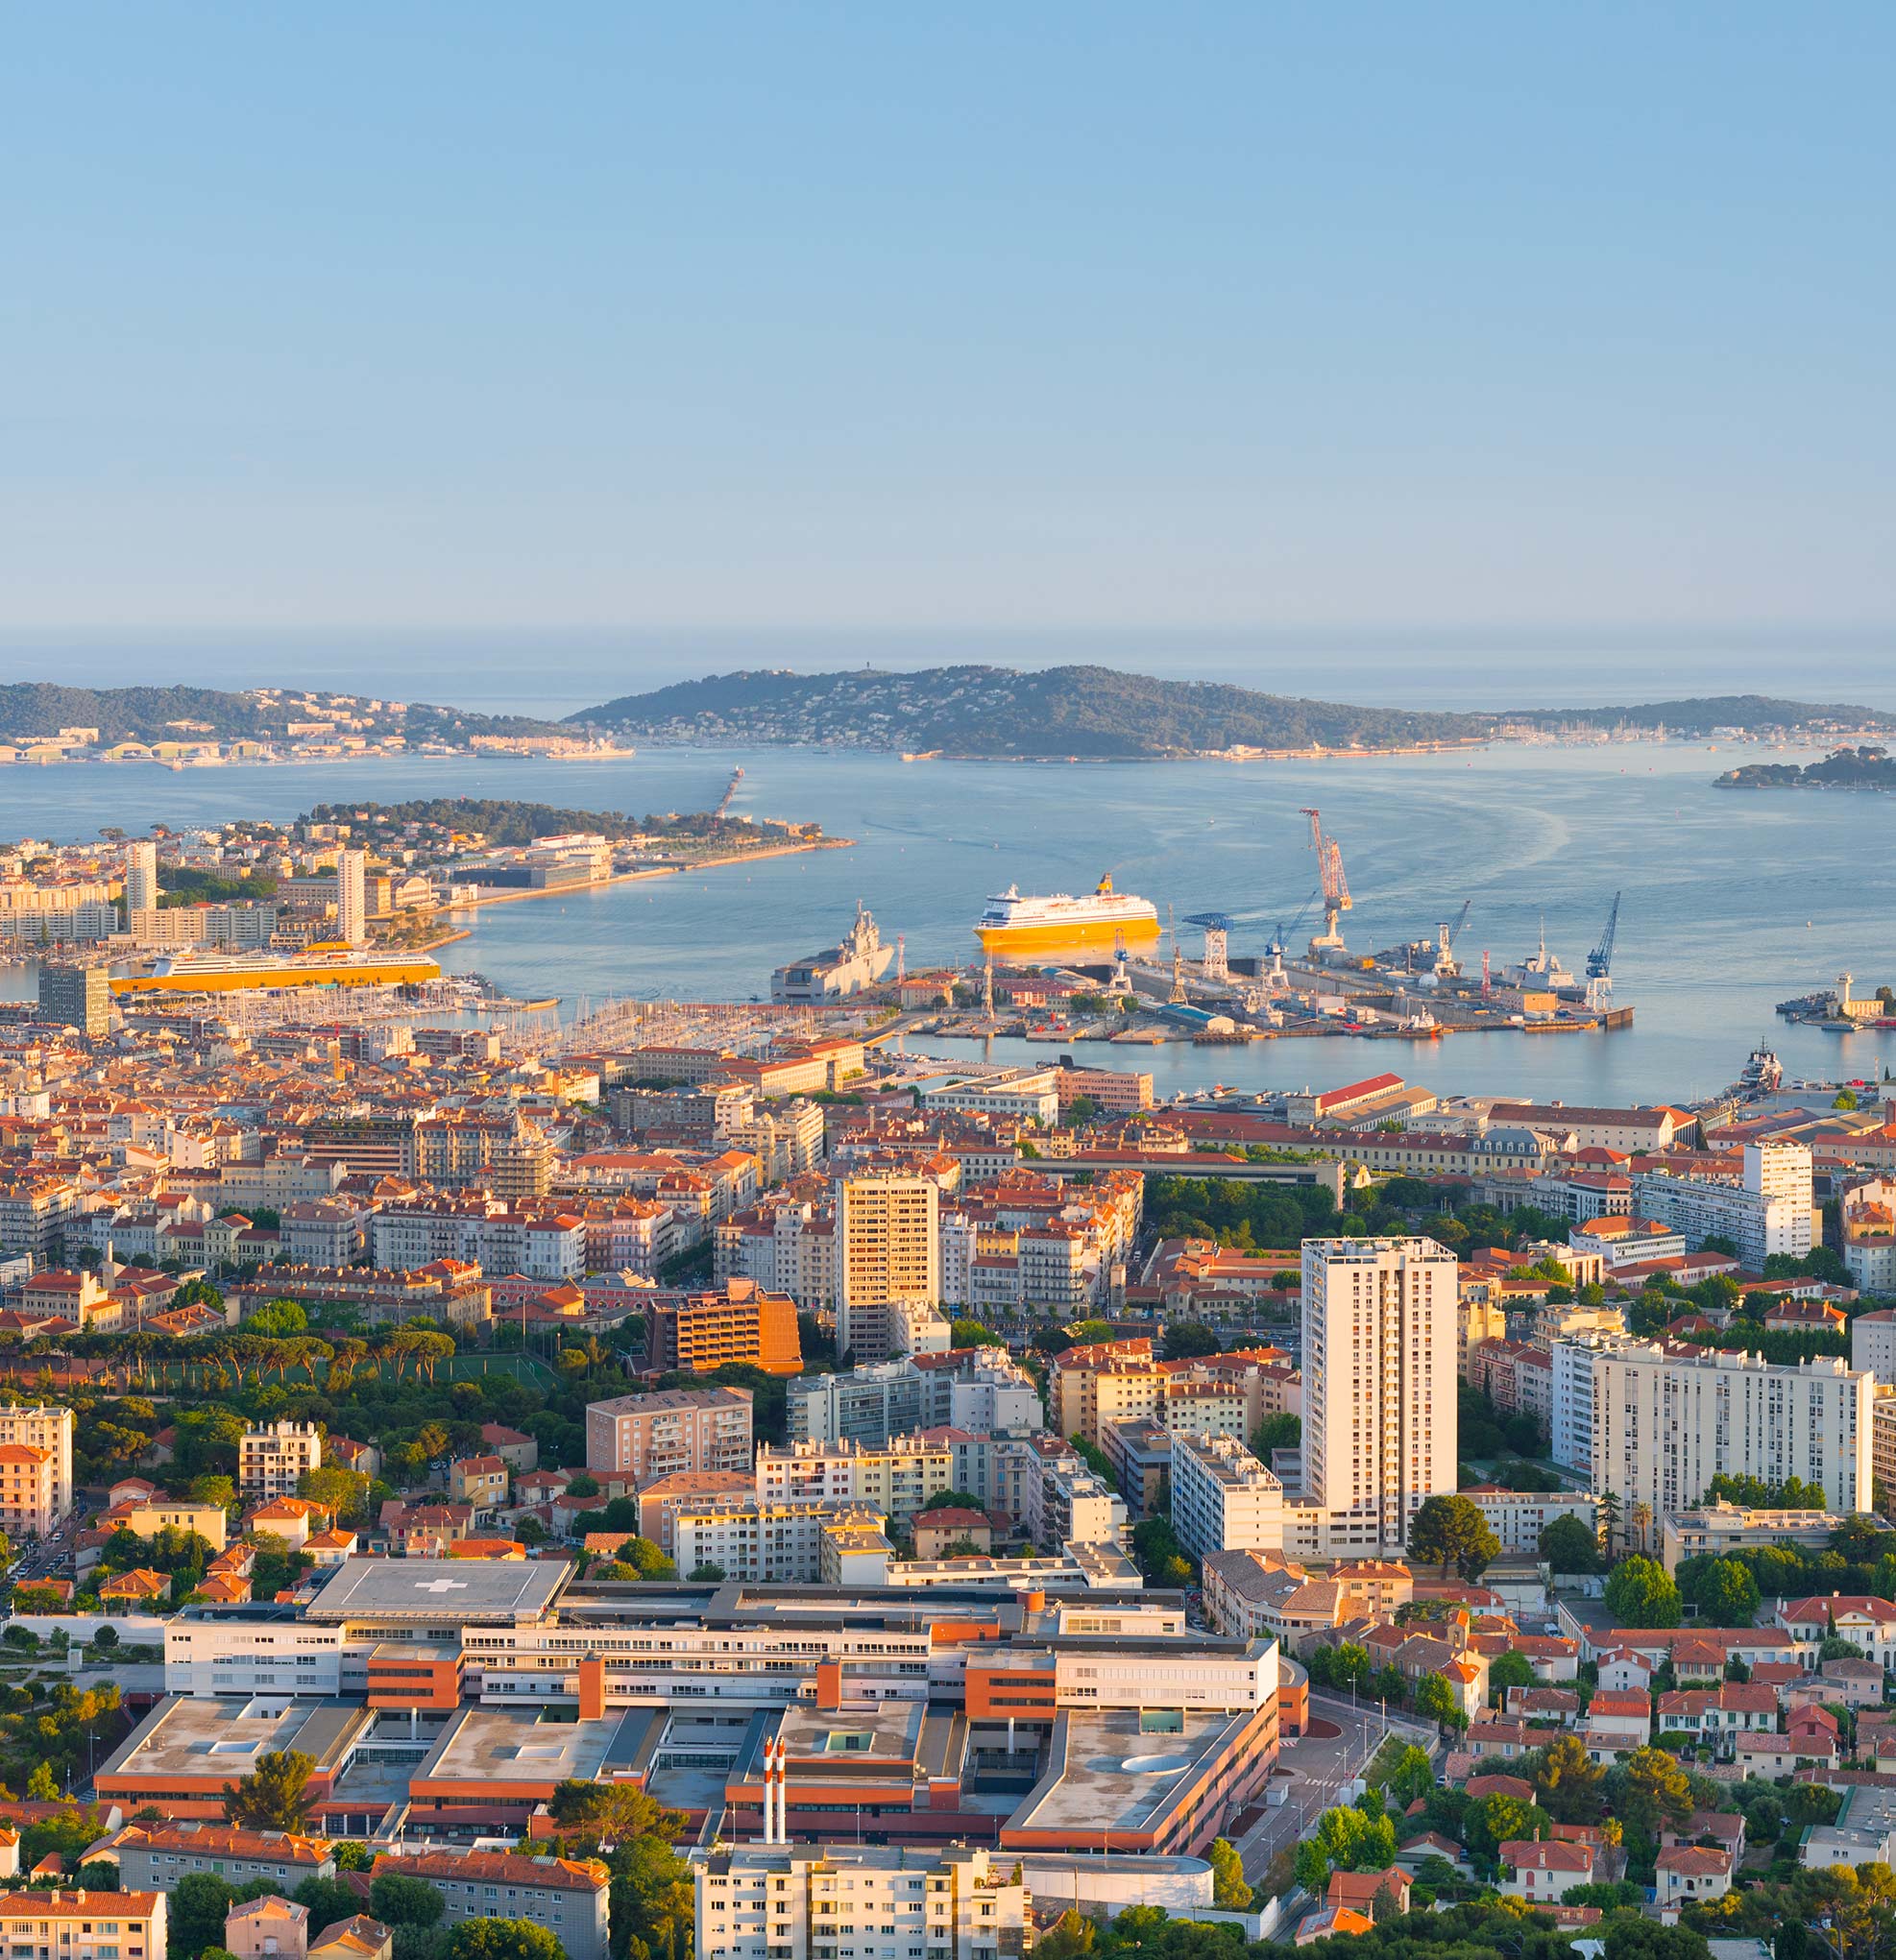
(1732, 899)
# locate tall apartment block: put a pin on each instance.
(49, 1428)
(1379, 1387)
(1664, 1425)
(353, 897)
(76, 997)
(888, 1249)
(271, 1460)
(141, 885)
(643, 1437)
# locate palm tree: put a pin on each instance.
(1638, 1517)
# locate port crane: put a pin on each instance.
(1334, 885)
(1217, 926)
(1599, 963)
(1446, 965)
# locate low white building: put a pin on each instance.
(778, 1901)
(1223, 1497)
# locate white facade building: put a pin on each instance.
(1769, 1212)
(1223, 1498)
(47, 1427)
(1665, 1425)
(352, 897)
(777, 1902)
(1873, 1346)
(141, 885)
(1379, 1381)
(271, 1459)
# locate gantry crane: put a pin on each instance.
(1335, 887)
(1217, 943)
(1445, 962)
(1599, 963)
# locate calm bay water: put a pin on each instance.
(1732, 901)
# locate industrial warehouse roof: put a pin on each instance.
(464, 1591)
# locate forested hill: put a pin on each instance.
(1100, 712)
(42, 708)
(986, 711)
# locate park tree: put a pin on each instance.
(1649, 1790)
(1567, 1781)
(1639, 1593)
(275, 1795)
(502, 1939)
(328, 1900)
(1437, 1702)
(1727, 1594)
(399, 1899)
(1510, 1670)
(1569, 1546)
(1452, 1531)
(590, 1818)
(1188, 1340)
(198, 1907)
(1413, 1775)
(1230, 1889)
(1490, 1822)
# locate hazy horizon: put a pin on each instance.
(558, 671)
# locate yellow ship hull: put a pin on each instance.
(380, 972)
(1082, 936)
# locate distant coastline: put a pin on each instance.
(1093, 715)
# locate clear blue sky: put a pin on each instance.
(1381, 316)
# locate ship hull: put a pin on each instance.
(1079, 936)
(380, 972)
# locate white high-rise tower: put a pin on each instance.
(352, 897)
(141, 885)
(1379, 1327)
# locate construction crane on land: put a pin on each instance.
(730, 791)
(1446, 963)
(1599, 963)
(1217, 942)
(1335, 887)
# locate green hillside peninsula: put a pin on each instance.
(1101, 713)
(1851, 768)
(100, 718)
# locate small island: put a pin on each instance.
(1864, 768)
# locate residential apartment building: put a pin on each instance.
(1716, 1531)
(642, 1437)
(85, 1925)
(1666, 1422)
(155, 1856)
(47, 1427)
(1873, 1346)
(352, 897)
(978, 1390)
(1772, 1210)
(1379, 1381)
(739, 1323)
(566, 1895)
(765, 1540)
(1223, 1498)
(895, 1479)
(888, 1248)
(782, 1902)
(27, 1509)
(271, 1460)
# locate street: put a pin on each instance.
(1320, 1767)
